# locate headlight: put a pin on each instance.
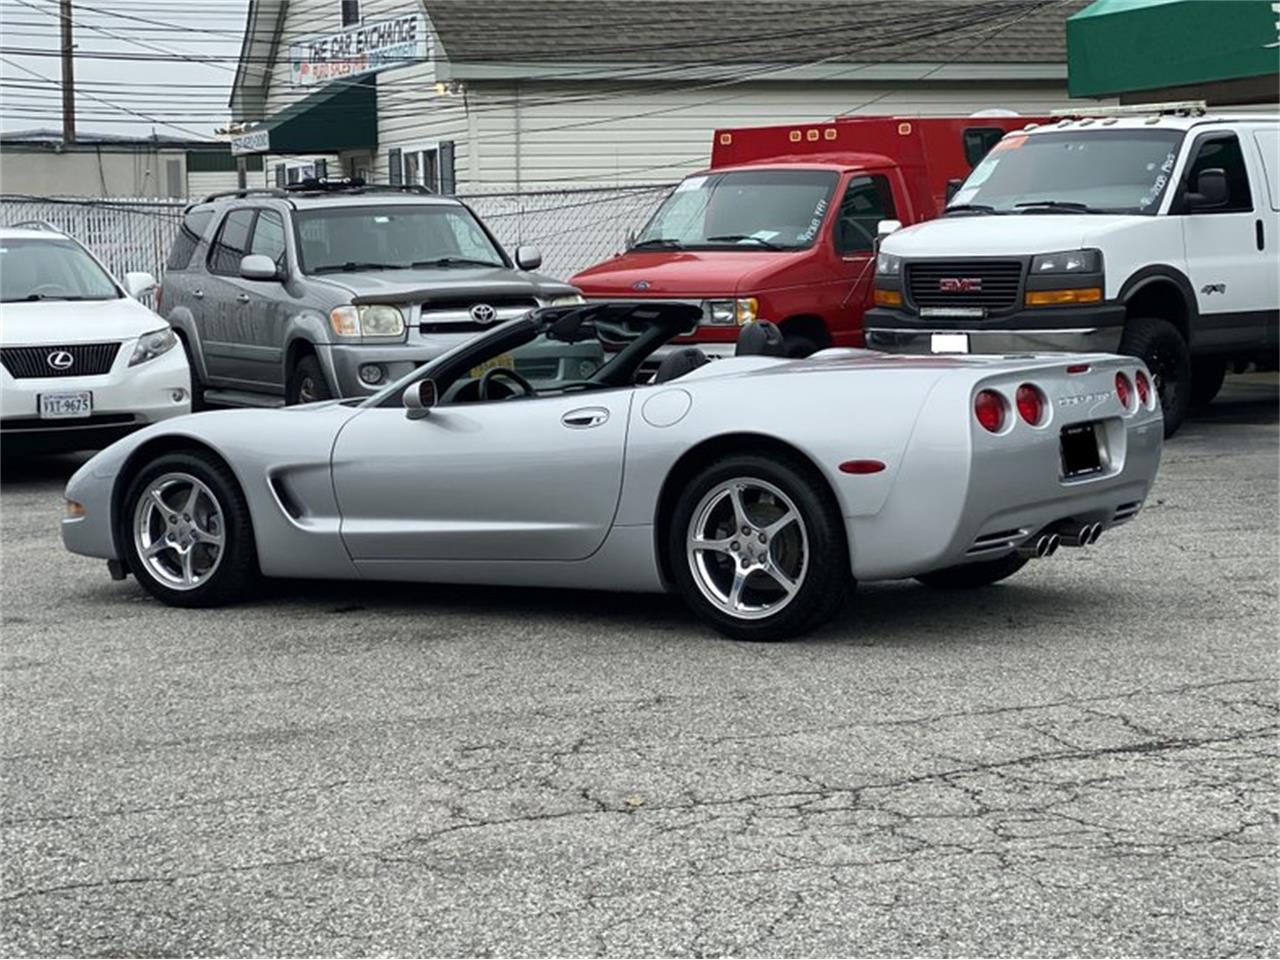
(730, 312)
(888, 264)
(368, 319)
(151, 345)
(566, 300)
(1068, 261)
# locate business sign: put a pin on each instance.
(359, 50)
(255, 141)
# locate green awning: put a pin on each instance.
(341, 116)
(1117, 47)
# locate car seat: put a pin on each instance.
(760, 338)
(679, 362)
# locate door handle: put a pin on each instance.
(242, 298)
(585, 417)
(1258, 235)
(198, 294)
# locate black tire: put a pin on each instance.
(235, 576)
(307, 383)
(1160, 346)
(1207, 374)
(197, 387)
(824, 580)
(798, 347)
(969, 576)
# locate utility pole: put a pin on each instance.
(68, 76)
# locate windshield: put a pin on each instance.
(393, 237)
(51, 269)
(748, 209)
(1105, 171)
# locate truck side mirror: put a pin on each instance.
(953, 187)
(1210, 192)
(418, 399)
(528, 258)
(630, 240)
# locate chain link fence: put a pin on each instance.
(573, 228)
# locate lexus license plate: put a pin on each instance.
(60, 406)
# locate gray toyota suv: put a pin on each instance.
(336, 289)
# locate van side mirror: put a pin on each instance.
(138, 284)
(528, 258)
(953, 187)
(629, 240)
(258, 266)
(418, 398)
(1210, 192)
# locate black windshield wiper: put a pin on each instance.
(351, 266)
(969, 208)
(1067, 205)
(34, 297)
(454, 262)
(740, 237)
(665, 242)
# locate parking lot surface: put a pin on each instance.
(1079, 761)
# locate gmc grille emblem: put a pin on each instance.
(960, 284)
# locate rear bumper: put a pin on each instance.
(1052, 329)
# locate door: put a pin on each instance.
(1224, 263)
(1266, 163)
(531, 479)
(223, 316)
(867, 199)
(267, 307)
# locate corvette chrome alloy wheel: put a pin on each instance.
(178, 530)
(747, 548)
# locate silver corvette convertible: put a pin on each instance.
(757, 487)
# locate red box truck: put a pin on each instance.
(782, 225)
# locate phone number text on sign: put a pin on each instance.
(359, 50)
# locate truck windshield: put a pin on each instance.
(39, 269)
(1075, 171)
(744, 209)
(392, 237)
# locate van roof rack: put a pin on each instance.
(315, 185)
(1179, 108)
(245, 192)
(35, 225)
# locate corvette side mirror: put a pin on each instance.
(419, 398)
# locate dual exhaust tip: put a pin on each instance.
(1066, 534)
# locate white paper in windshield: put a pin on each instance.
(693, 183)
(765, 234)
(963, 196)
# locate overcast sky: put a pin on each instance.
(120, 93)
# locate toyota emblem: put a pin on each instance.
(483, 313)
(60, 360)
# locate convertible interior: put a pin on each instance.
(627, 336)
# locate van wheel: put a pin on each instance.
(307, 383)
(757, 549)
(1159, 345)
(1207, 375)
(797, 346)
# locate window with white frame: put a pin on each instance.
(424, 165)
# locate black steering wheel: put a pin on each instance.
(494, 373)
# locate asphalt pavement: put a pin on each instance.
(1080, 761)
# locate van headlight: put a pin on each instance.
(151, 345)
(731, 312)
(1068, 261)
(888, 264)
(368, 320)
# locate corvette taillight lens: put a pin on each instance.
(1124, 390)
(1144, 387)
(989, 408)
(1031, 404)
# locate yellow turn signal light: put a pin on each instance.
(75, 509)
(1049, 298)
(888, 298)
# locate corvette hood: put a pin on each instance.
(1010, 235)
(683, 273)
(61, 322)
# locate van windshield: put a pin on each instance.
(744, 209)
(1075, 171)
(393, 237)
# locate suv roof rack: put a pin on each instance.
(313, 185)
(246, 192)
(1178, 108)
(36, 225)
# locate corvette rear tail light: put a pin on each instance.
(989, 408)
(1031, 404)
(1144, 387)
(1124, 390)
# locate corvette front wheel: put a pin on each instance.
(186, 532)
(757, 548)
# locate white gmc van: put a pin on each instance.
(1152, 235)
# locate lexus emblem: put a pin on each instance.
(483, 313)
(960, 284)
(641, 285)
(60, 360)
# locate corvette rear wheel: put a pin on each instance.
(187, 535)
(757, 548)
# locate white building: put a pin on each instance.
(488, 95)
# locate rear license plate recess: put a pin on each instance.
(1081, 453)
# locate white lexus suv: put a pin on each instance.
(83, 361)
